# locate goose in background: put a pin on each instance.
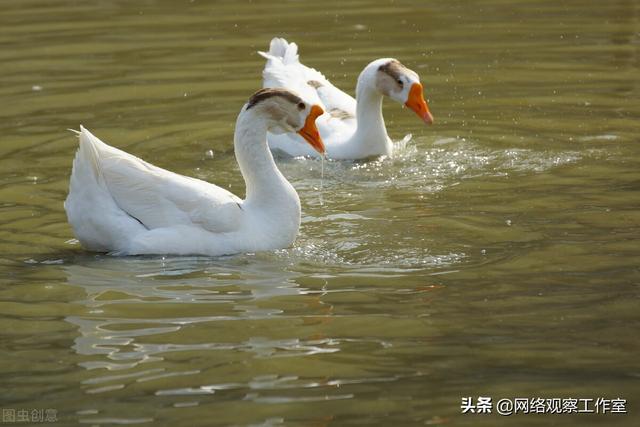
(350, 128)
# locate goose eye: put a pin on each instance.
(400, 82)
(301, 105)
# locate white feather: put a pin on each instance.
(121, 204)
(350, 129)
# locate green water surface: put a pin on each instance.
(497, 254)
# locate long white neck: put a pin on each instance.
(371, 134)
(265, 185)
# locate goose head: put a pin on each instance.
(401, 84)
(285, 112)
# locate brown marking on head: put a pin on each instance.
(314, 84)
(394, 69)
(392, 77)
(267, 93)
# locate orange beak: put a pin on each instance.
(417, 103)
(310, 132)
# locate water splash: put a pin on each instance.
(322, 158)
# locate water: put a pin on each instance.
(495, 255)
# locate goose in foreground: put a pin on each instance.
(350, 128)
(120, 204)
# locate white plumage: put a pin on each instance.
(350, 129)
(121, 204)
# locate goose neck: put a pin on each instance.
(262, 178)
(371, 129)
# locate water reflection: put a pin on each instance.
(227, 289)
(495, 248)
(146, 316)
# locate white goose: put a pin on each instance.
(121, 204)
(350, 128)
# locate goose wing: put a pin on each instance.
(284, 69)
(157, 197)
